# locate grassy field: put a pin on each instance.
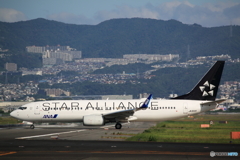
(188, 130)
(8, 120)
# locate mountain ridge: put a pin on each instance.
(116, 37)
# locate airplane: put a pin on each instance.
(100, 112)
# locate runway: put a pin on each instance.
(98, 143)
(76, 132)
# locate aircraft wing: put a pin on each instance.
(123, 115)
(126, 114)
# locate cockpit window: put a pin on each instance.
(22, 108)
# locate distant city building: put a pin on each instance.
(12, 92)
(132, 58)
(151, 57)
(120, 97)
(35, 49)
(143, 95)
(76, 54)
(11, 66)
(31, 73)
(52, 54)
(63, 52)
(216, 57)
(58, 48)
(60, 55)
(94, 60)
(9, 106)
(64, 55)
(52, 61)
(56, 92)
(42, 49)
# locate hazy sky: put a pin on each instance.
(207, 13)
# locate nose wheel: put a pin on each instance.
(32, 126)
(118, 126)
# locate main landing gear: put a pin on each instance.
(118, 125)
(32, 126)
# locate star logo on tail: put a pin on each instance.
(207, 89)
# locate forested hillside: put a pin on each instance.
(166, 81)
(22, 59)
(116, 37)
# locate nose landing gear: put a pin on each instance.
(118, 125)
(32, 126)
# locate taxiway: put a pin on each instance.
(98, 143)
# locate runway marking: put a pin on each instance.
(152, 152)
(51, 134)
(120, 152)
(141, 152)
(6, 153)
(107, 126)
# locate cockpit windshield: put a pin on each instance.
(22, 108)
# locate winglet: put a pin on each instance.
(146, 103)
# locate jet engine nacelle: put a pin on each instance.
(93, 120)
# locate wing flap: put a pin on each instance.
(119, 114)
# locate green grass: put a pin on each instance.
(8, 120)
(208, 117)
(188, 130)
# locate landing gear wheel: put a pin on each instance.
(118, 126)
(32, 127)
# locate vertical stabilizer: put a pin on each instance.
(207, 87)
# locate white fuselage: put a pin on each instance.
(75, 110)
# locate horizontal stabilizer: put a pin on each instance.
(214, 102)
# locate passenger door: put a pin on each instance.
(36, 110)
(185, 108)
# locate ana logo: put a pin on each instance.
(50, 116)
(207, 89)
